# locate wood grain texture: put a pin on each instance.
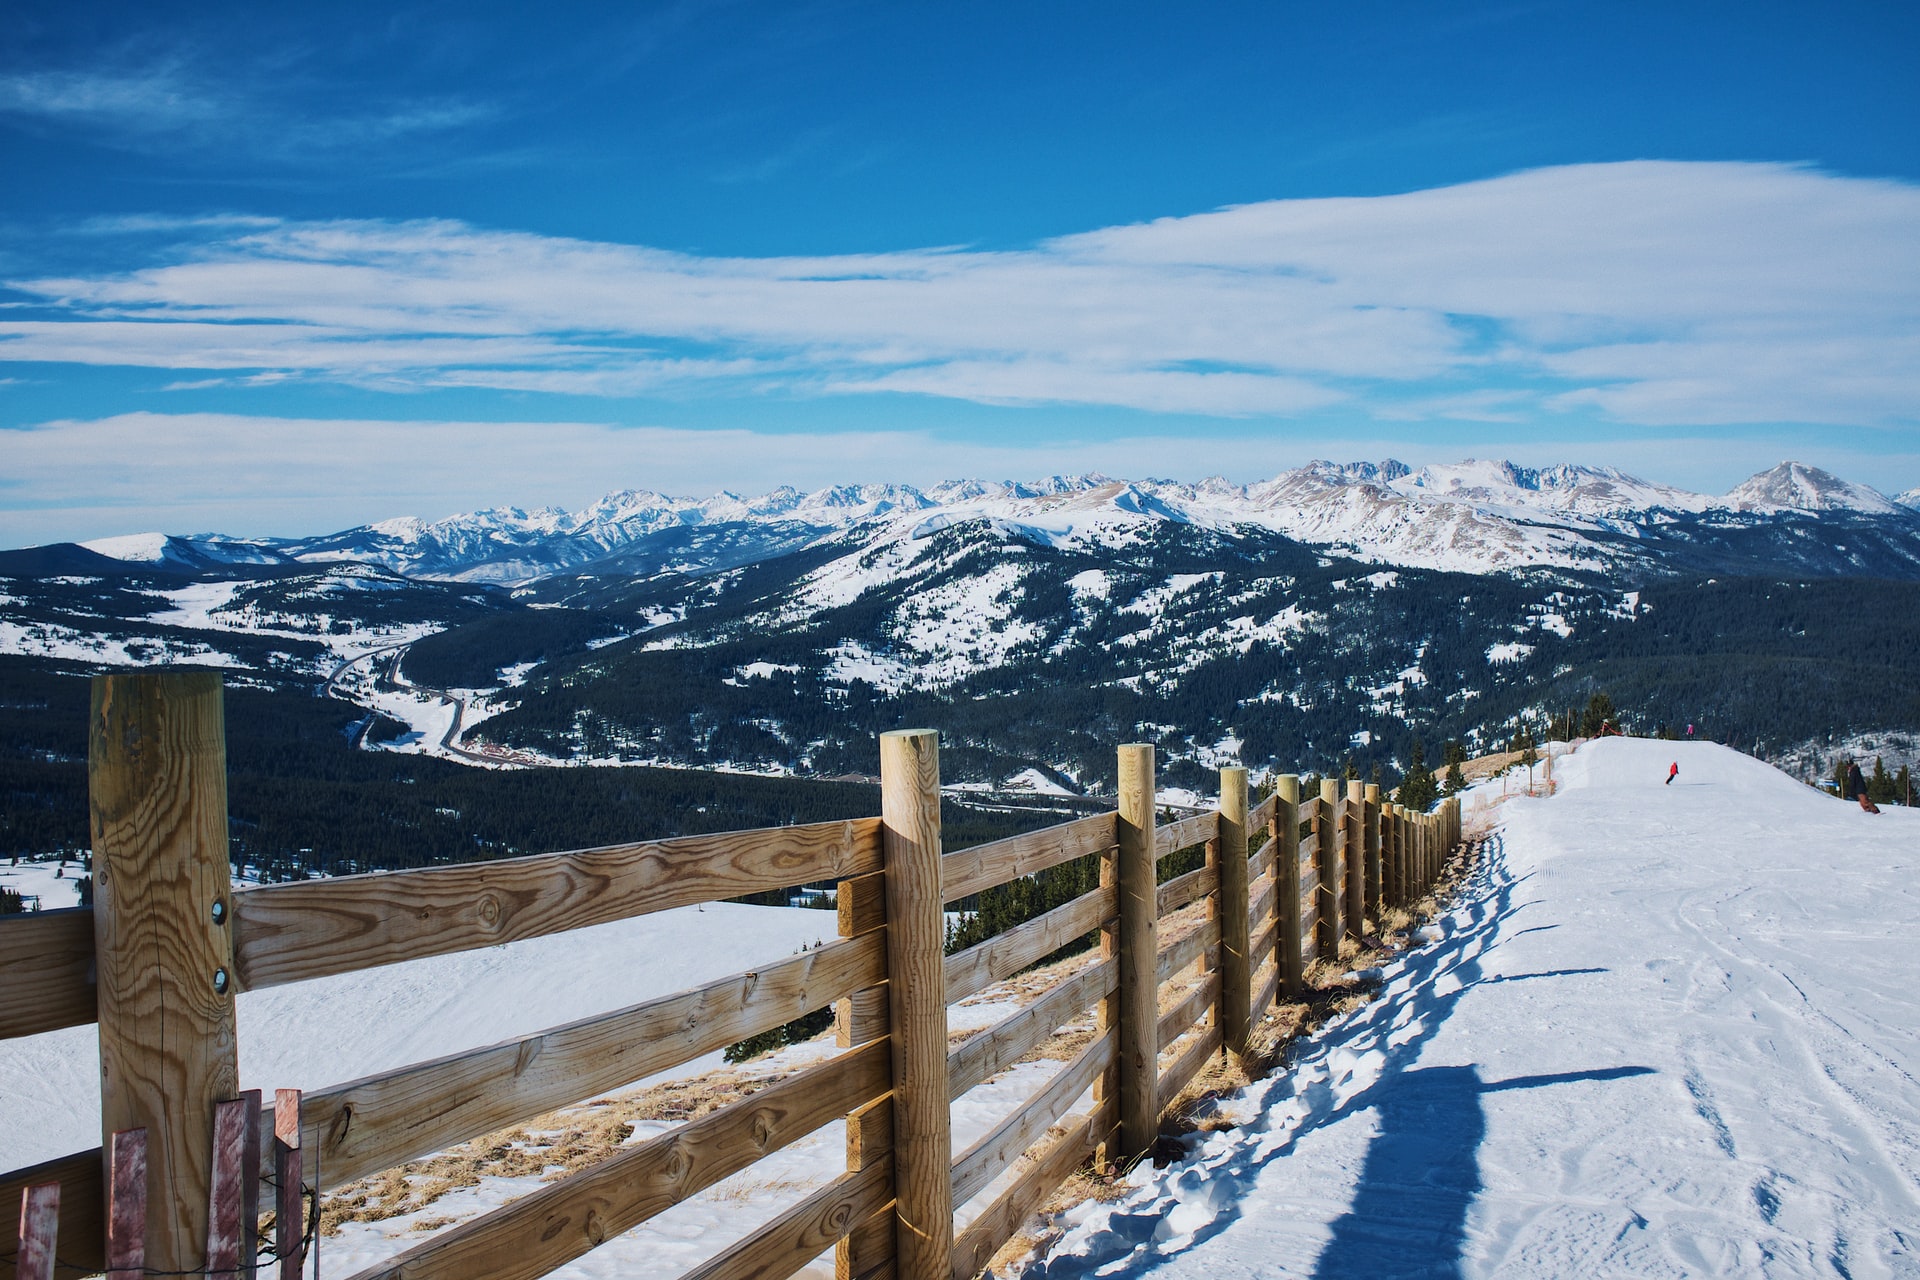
(1267, 940)
(361, 1127)
(1188, 887)
(1232, 905)
(47, 957)
(1134, 1045)
(563, 1220)
(917, 1000)
(1260, 861)
(798, 1235)
(1376, 889)
(1260, 910)
(1005, 954)
(1007, 1141)
(1052, 1165)
(127, 1205)
(39, 1231)
(233, 1122)
(1201, 942)
(1261, 814)
(1266, 988)
(1186, 1015)
(83, 1229)
(860, 904)
(1291, 942)
(290, 1202)
(157, 786)
(1185, 1068)
(1000, 1046)
(985, 865)
(1185, 833)
(309, 929)
(1329, 873)
(869, 1243)
(1353, 858)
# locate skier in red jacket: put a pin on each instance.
(1673, 773)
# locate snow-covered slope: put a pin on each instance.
(1473, 516)
(1667, 1031)
(1793, 486)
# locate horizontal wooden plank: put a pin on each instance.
(1185, 1068)
(861, 904)
(985, 865)
(312, 928)
(1180, 954)
(1000, 1221)
(1264, 942)
(351, 1130)
(798, 1235)
(47, 957)
(1183, 1017)
(1182, 889)
(82, 1238)
(1185, 833)
(979, 967)
(982, 1162)
(1262, 895)
(1260, 862)
(563, 1220)
(1013, 1037)
(1266, 985)
(1261, 814)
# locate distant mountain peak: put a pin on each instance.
(1795, 486)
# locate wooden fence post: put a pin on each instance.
(1353, 844)
(1286, 884)
(157, 778)
(1236, 941)
(1376, 896)
(917, 1002)
(1137, 1043)
(1327, 900)
(1390, 866)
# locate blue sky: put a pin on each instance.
(255, 260)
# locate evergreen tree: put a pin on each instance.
(1456, 781)
(1599, 712)
(1903, 786)
(1418, 789)
(1880, 788)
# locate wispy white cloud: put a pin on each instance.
(1648, 292)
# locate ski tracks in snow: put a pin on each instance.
(1661, 1033)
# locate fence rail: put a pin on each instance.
(168, 943)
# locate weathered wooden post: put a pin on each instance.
(1353, 844)
(917, 1001)
(1137, 1044)
(1331, 832)
(1376, 895)
(1233, 902)
(1286, 884)
(157, 778)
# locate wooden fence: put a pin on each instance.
(159, 958)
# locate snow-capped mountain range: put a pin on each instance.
(1473, 516)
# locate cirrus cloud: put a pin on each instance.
(1650, 292)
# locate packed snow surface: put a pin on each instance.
(1665, 1031)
